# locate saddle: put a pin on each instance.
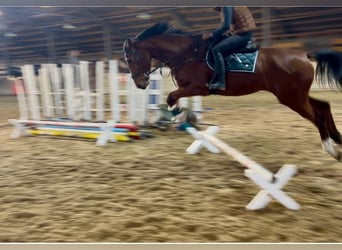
(242, 60)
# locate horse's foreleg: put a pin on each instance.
(172, 101)
(173, 98)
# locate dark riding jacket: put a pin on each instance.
(236, 20)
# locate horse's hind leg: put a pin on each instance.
(306, 109)
(324, 109)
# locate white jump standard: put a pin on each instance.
(270, 183)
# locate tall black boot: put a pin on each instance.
(220, 73)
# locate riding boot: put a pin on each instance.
(220, 73)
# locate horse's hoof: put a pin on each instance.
(329, 147)
(170, 108)
(339, 156)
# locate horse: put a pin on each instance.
(286, 73)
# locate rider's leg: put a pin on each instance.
(220, 72)
(227, 46)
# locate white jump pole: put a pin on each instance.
(155, 95)
(184, 102)
(45, 92)
(114, 90)
(32, 92)
(86, 100)
(197, 106)
(135, 106)
(55, 77)
(155, 92)
(21, 98)
(69, 82)
(100, 76)
(270, 184)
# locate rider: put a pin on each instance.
(237, 24)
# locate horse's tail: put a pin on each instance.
(329, 67)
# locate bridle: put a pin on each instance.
(136, 57)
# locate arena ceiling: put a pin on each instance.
(47, 34)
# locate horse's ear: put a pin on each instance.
(127, 44)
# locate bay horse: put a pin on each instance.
(287, 73)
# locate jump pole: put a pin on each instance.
(100, 77)
(78, 133)
(45, 92)
(196, 105)
(270, 183)
(105, 135)
(86, 100)
(56, 81)
(155, 96)
(69, 79)
(21, 98)
(32, 91)
(114, 94)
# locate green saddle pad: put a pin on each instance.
(243, 62)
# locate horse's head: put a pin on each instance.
(169, 46)
(139, 63)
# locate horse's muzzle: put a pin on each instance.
(141, 80)
(142, 85)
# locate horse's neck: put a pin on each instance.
(167, 48)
